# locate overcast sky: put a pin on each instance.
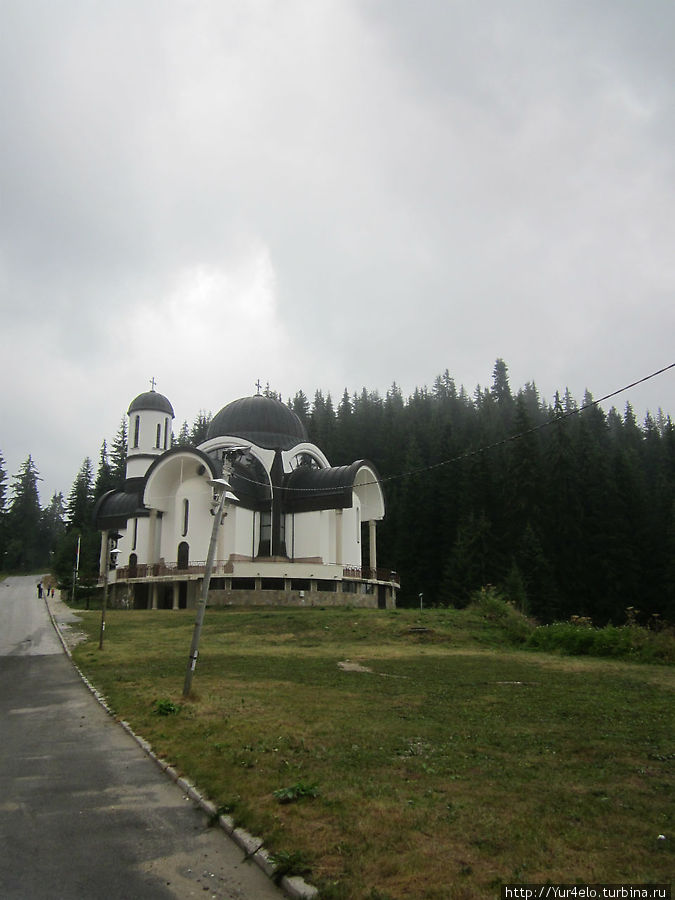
(327, 194)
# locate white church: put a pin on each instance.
(294, 527)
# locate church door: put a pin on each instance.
(183, 555)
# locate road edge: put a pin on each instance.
(293, 886)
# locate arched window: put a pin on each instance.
(137, 430)
(186, 516)
(183, 560)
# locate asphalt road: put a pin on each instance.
(84, 813)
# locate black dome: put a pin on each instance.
(263, 421)
(151, 400)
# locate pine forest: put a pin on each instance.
(565, 509)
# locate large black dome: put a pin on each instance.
(151, 400)
(263, 421)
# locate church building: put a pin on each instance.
(295, 530)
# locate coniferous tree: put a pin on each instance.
(53, 525)
(118, 455)
(80, 504)
(183, 439)
(23, 550)
(105, 480)
(200, 427)
(79, 544)
(300, 406)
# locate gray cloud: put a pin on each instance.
(330, 195)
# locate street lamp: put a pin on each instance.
(222, 487)
(109, 554)
(76, 567)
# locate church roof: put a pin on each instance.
(311, 489)
(151, 400)
(114, 508)
(263, 421)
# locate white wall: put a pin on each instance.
(200, 521)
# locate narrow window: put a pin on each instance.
(183, 555)
(166, 433)
(186, 516)
(265, 545)
(137, 430)
(135, 535)
(159, 436)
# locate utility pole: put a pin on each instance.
(222, 486)
(108, 553)
(76, 569)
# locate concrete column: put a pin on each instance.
(151, 554)
(176, 595)
(373, 544)
(338, 536)
(154, 590)
(103, 557)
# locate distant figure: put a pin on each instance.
(39, 590)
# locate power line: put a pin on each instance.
(468, 454)
(568, 414)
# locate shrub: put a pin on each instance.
(166, 708)
(492, 606)
(624, 642)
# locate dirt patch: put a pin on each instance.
(66, 622)
(348, 666)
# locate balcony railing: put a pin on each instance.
(197, 567)
(363, 573)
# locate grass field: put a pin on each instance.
(413, 755)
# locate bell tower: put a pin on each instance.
(149, 432)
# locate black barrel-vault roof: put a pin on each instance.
(307, 489)
(114, 508)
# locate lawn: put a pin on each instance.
(413, 754)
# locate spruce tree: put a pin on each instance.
(80, 504)
(105, 480)
(23, 550)
(200, 427)
(300, 406)
(118, 455)
(53, 524)
(183, 439)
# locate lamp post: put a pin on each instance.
(76, 568)
(108, 554)
(223, 488)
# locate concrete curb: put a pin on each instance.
(293, 886)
